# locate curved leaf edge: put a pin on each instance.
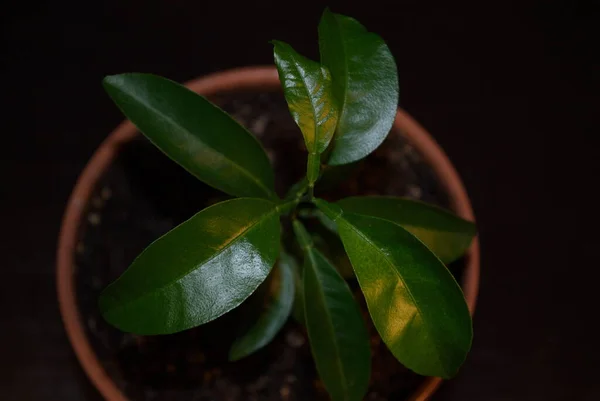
(333, 157)
(336, 212)
(102, 296)
(471, 232)
(311, 254)
(283, 303)
(268, 188)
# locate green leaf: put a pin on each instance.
(331, 246)
(198, 271)
(325, 221)
(416, 305)
(275, 314)
(444, 233)
(365, 84)
(326, 239)
(338, 336)
(195, 133)
(307, 89)
(298, 308)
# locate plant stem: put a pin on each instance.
(287, 207)
(311, 191)
(297, 190)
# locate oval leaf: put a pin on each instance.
(307, 89)
(326, 239)
(365, 84)
(195, 133)
(333, 249)
(338, 336)
(444, 233)
(198, 271)
(298, 308)
(416, 305)
(275, 314)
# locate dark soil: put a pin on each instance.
(144, 194)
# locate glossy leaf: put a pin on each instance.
(298, 308)
(325, 221)
(444, 233)
(195, 133)
(416, 305)
(331, 246)
(275, 315)
(365, 84)
(307, 89)
(338, 336)
(325, 238)
(198, 271)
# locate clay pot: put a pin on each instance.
(253, 78)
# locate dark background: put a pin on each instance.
(510, 91)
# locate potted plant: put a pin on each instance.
(352, 272)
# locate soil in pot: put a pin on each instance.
(144, 194)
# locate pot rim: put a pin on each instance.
(264, 77)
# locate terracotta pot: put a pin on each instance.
(257, 78)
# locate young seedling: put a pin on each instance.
(345, 106)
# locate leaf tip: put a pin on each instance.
(108, 81)
(279, 44)
(113, 78)
(102, 302)
(235, 354)
(105, 305)
(112, 82)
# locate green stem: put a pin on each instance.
(297, 190)
(287, 207)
